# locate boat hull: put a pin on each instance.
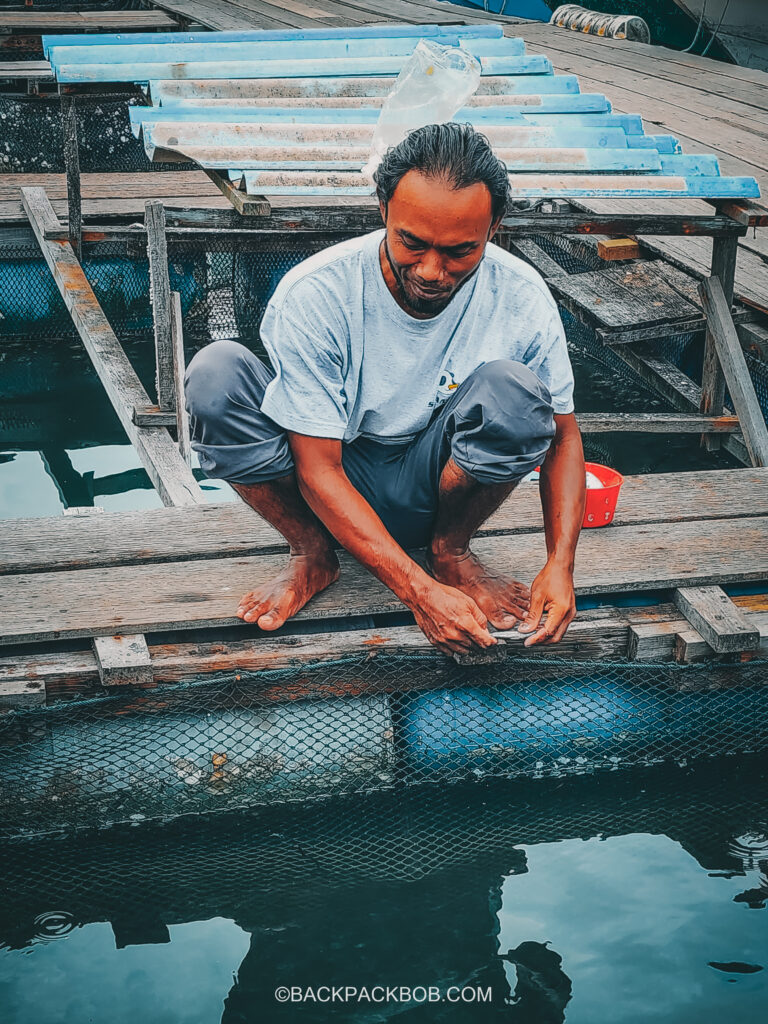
(743, 32)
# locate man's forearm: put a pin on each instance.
(355, 525)
(563, 496)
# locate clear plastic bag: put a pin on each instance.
(433, 84)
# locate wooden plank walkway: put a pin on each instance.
(242, 14)
(202, 592)
(233, 530)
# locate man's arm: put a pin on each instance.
(449, 619)
(562, 501)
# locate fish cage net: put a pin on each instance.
(358, 725)
(31, 139)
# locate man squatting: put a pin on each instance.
(418, 374)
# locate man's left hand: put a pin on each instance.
(551, 596)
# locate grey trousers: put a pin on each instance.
(497, 426)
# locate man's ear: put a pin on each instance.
(383, 210)
(495, 226)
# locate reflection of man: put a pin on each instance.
(419, 374)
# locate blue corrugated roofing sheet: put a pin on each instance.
(293, 112)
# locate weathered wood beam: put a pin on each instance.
(72, 162)
(178, 367)
(717, 619)
(159, 455)
(246, 206)
(735, 371)
(160, 298)
(153, 416)
(123, 660)
(724, 254)
(655, 423)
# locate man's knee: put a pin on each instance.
(510, 393)
(219, 374)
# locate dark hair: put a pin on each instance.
(454, 152)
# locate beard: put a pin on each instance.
(417, 303)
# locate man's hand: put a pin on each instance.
(551, 595)
(450, 620)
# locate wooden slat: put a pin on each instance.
(216, 531)
(160, 457)
(712, 614)
(52, 22)
(122, 660)
(183, 595)
(632, 296)
(655, 423)
(179, 367)
(735, 371)
(160, 297)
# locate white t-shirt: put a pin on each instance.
(349, 361)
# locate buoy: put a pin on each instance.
(595, 23)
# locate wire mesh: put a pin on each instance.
(32, 140)
(360, 725)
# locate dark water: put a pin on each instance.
(62, 445)
(627, 898)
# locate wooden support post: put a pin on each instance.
(717, 619)
(179, 367)
(160, 297)
(123, 660)
(168, 472)
(72, 164)
(724, 251)
(734, 367)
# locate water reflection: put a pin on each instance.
(619, 898)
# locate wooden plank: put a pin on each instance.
(160, 457)
(724, 253)
(72, 161)
(717, 619)
(655, 423)
(205, 593)
(618, 249)
(631, 296)
(26, 70)
(247, 206)
(178, 368)
(160, 297)
(735, 371)
(153, 416)
(51, 22)
(595, 634)
(231, 528)
(122, 660)
(535, 255)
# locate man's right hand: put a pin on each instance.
(450, 620)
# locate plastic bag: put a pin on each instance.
(433, 84)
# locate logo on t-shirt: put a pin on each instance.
(446, 385)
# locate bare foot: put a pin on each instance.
(304, 576)
(504, 600)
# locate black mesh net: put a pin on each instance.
(31, 140)
(224, 287)
(360, 725)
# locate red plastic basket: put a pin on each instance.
(601, 501)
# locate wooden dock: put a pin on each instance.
(157, 591)
(175, 576)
